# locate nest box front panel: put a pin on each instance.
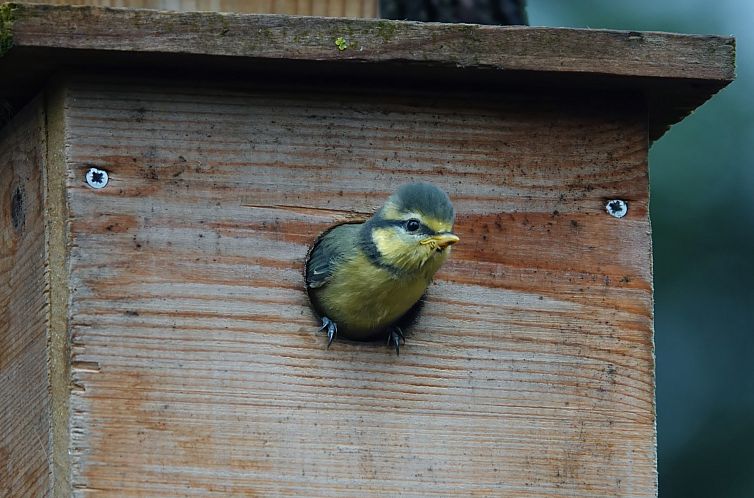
(195, 359)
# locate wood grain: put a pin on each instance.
(676, 73)
(58, 257)
(338, 8)
(24, 400)
(634, 54)
(195, 363)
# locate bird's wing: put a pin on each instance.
(332, 247)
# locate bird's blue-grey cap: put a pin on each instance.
(423, 198)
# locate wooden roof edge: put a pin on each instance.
(700, 64)
(628, 53)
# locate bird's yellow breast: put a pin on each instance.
(363, 298)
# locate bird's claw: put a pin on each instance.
(394, 338)
(332, 330)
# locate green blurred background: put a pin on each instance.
(702, 210)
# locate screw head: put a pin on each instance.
(616, 208)
(96, 178)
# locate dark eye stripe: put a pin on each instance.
(383, 223)
(422, 230)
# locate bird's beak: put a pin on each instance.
(441, 240)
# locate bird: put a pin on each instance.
(368, 278)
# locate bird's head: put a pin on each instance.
(413, 231)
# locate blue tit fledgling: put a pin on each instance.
(363, 279)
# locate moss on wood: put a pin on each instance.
(8, 13)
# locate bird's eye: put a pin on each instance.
(413, 225)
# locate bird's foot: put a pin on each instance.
(394, 338)
(331, 328)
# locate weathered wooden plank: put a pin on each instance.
(621, 53)
(349, 8)
(195, 361)
(677, 73)
(58, 341)
(24, 400)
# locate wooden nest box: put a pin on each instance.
(156, 336)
